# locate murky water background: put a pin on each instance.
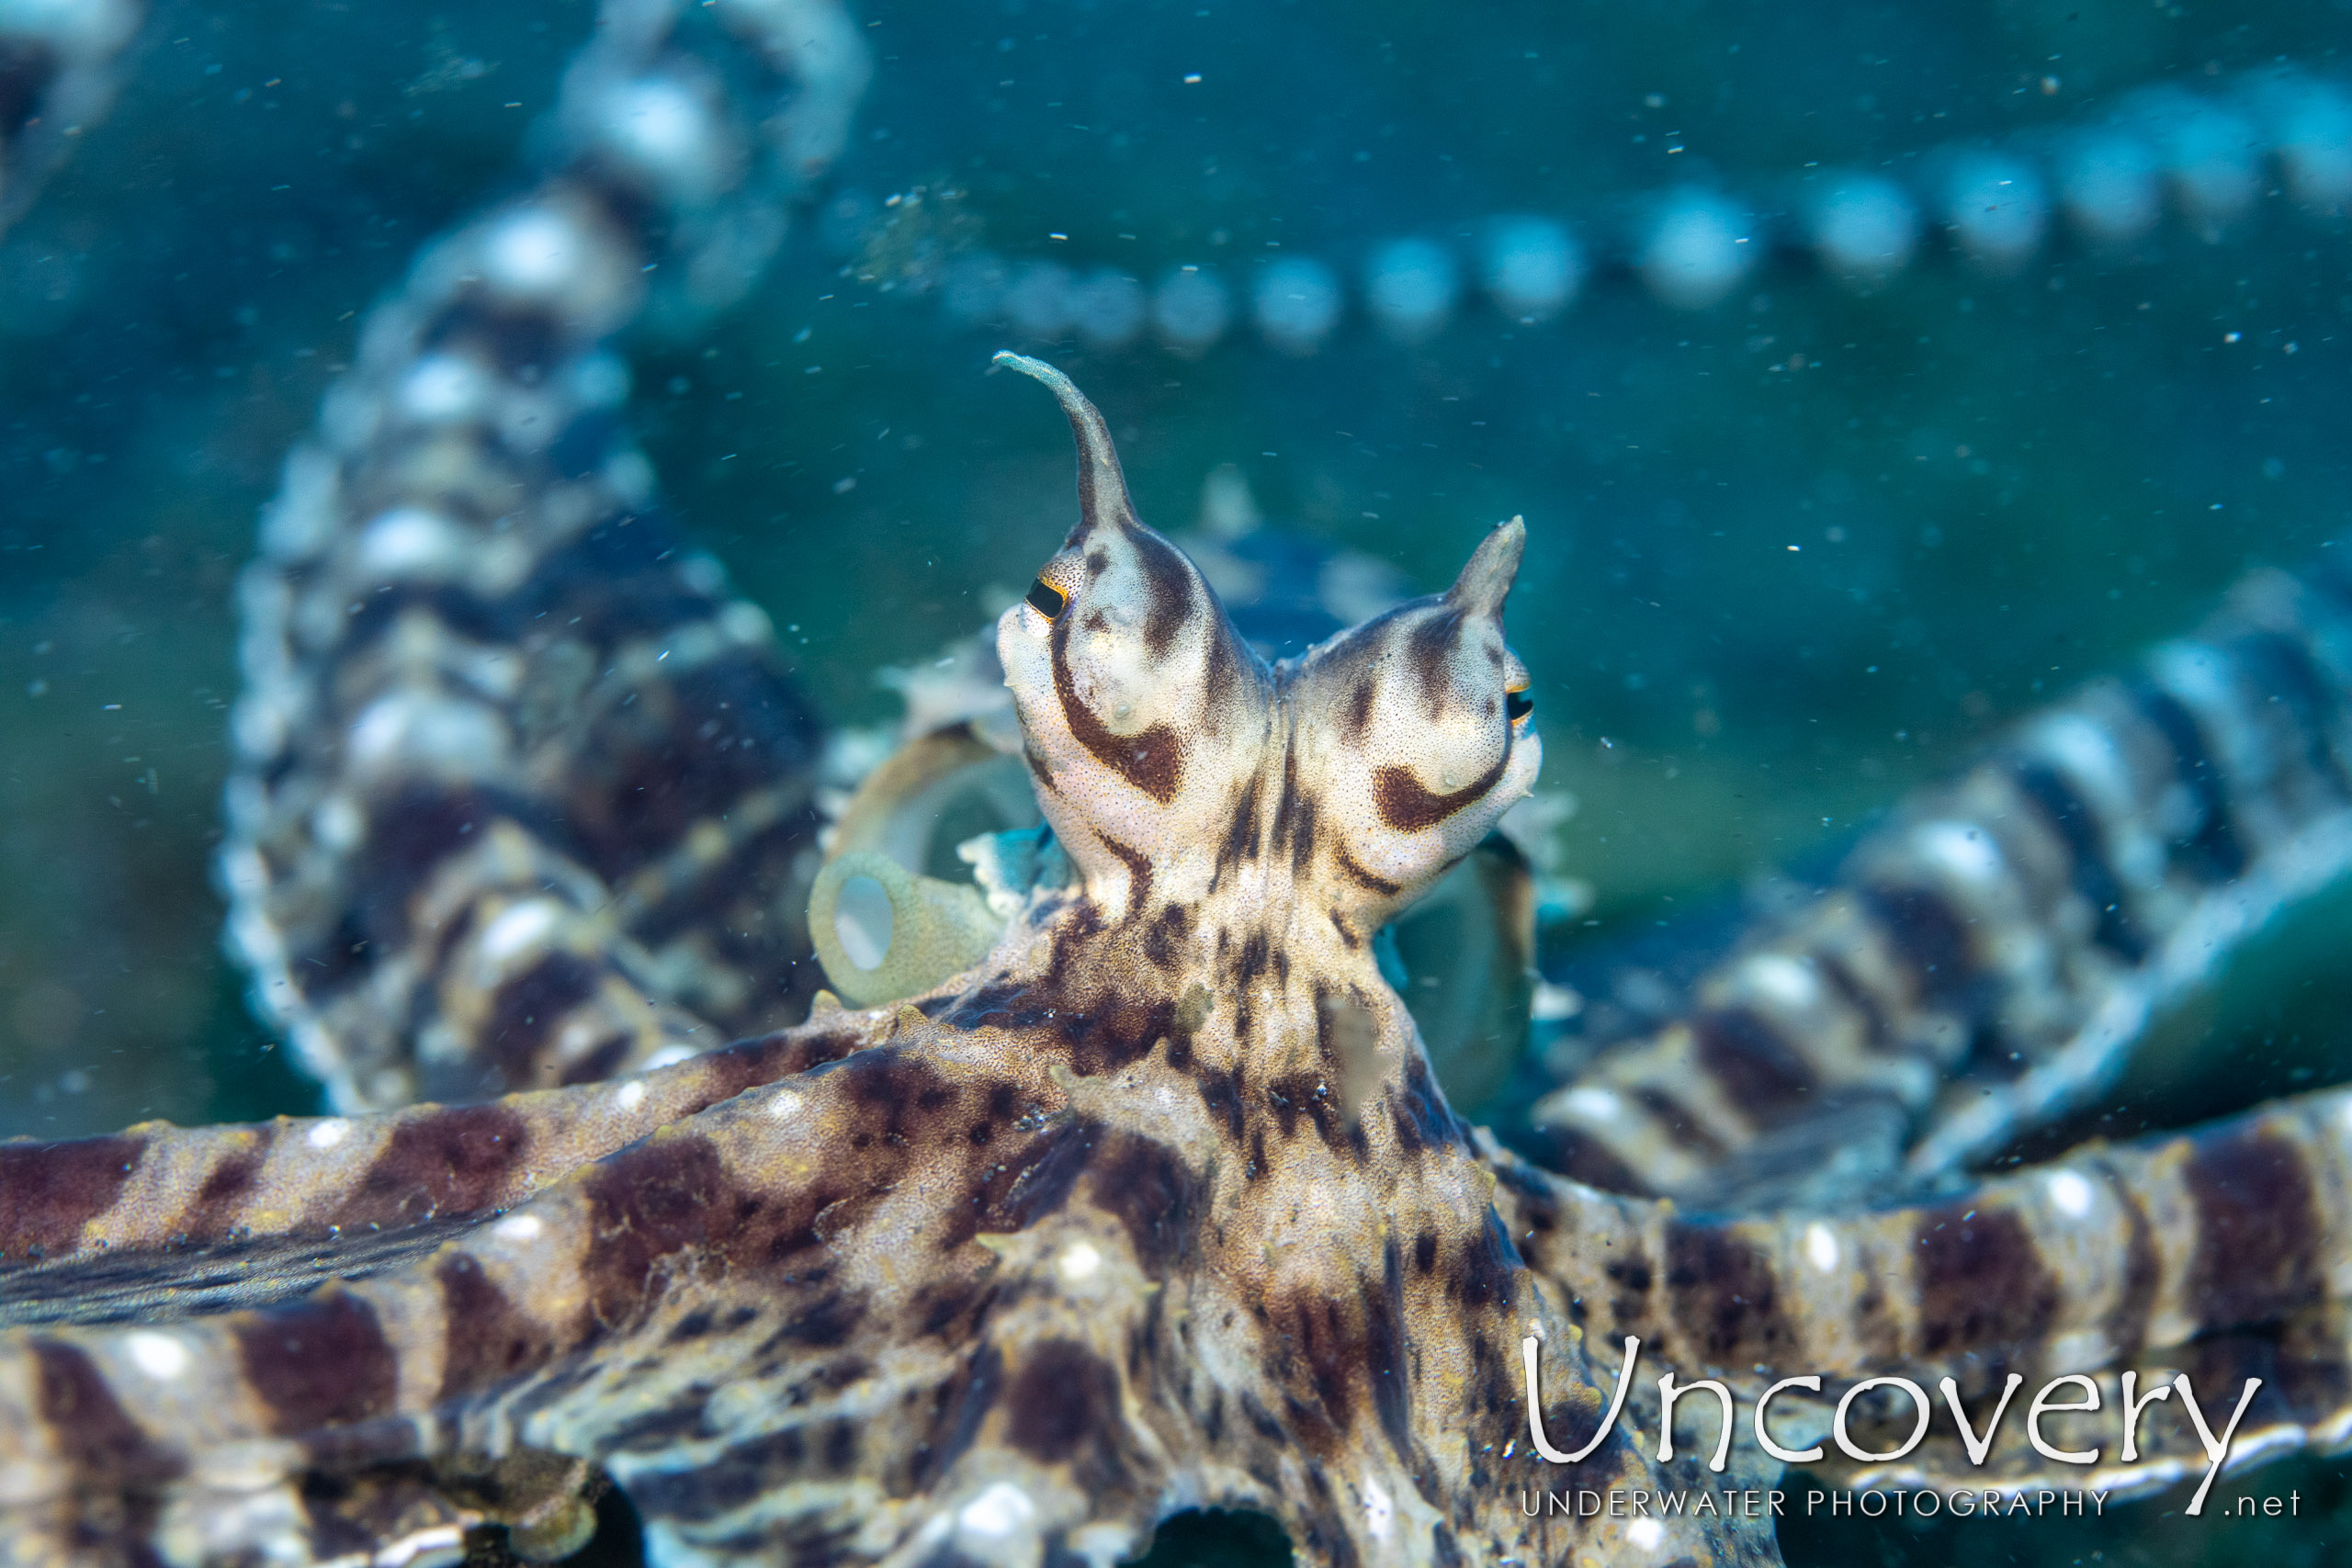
(1994, 487)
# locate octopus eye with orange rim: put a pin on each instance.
(1517, 705)
(1045, 599)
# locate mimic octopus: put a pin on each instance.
(1158, 1206)
(1139, 1192)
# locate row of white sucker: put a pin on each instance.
(2210, 157)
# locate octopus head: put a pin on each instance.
(1422, 733)
(1143, 712)
(1167, 756)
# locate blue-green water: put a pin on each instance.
(1789, 555)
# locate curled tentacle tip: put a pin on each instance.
(1073, 401)
(1102, 490)
(1037, 368)
(1485, 580)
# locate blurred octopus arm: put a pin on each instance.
(1990, 959)
(523, 792)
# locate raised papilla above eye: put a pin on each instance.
(1045, 599)
(1517, 705)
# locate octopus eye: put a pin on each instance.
(1045, 599)
(1517, 705)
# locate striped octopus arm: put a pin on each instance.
(2182, 1252)
(2263, 1394)
(1989, 959)
(184, 1221)
(523, 791)
(738, 1314)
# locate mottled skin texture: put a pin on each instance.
(1159, 1207)
(523, 792)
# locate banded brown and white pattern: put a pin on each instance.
(1159, 1206)
(1986, 961)
(261, 1212)
(2081, 1263)
(2219, 1253)
(523, 793)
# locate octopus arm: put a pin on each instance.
(1991, 959)
(2080, 1266)
(940, 1295)
(808, 1316)
(160, 1220)
(2301, 1400)
(524, 792)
